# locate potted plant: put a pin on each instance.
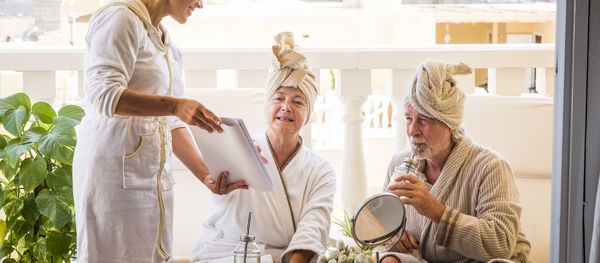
(36, 195)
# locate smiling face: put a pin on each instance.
(430, 136)
(286, 111)
(180, 10)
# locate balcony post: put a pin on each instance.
(400, 80)
(544, 81)
(251, 78)
(355, 86)
(80, 83)
(506, 81)
(40, 85)
(200, 79)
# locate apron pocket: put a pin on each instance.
(140, 169)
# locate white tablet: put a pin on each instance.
(233, 151)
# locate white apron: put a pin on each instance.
(122, 181)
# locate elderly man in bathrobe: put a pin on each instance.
(293, 220)
(468, 208)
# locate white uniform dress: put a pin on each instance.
(122, 181)
(310, 184)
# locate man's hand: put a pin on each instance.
(407, 244)
(220, 186)
(416, 194)
(390, 259)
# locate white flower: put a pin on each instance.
(332, 261)
(322, 259)
(361, 258)
(332, 253)
(343, 259)
(340, 244)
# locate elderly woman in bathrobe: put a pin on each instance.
(467, 209)
(293, 220)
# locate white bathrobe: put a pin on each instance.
(122, 181)
(310, 183)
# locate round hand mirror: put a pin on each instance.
(378, 219)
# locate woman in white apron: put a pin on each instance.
(135, 121)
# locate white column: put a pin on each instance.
(251, 78)
(80, 83)
(40, 85)
(354, 89)
(352, 3)
(544, 81)
(400, 80)
(466, 82)
(200, 79)
(306, 131)
(11, 82)
(506, 81)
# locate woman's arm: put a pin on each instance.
(301, 256)
(135, 103)
(186, 150)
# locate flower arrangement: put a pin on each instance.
(338, 252)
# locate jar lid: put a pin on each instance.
(246, 238)
(411, 161)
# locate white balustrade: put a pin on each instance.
(40, 85)
(354, 89)
(506, 64)
(251, 78)
(400, 80)
(205, 79)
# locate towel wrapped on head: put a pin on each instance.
(289, 68)
(433, 93)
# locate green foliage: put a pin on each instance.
(36, 189)
(346, 229)
(332, 79)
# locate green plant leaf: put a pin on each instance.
(14, 150)
(39, 250)
(43, 112)
(33, 171)
(61, 176)
(13, 208)
(5, 249)
(10, 260)
(14, 101)
(3, 229)
(2, 199)
(14, 120)
(59, 143)
(3, 143)
(20, 229)
(33, 135)
(56, 205)
(30, 211)
(72, 111)
(58, 243)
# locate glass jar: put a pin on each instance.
(408, 166)
(253, 252)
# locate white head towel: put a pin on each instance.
(290, 68)
(433, 93)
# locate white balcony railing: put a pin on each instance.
(506, 66)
